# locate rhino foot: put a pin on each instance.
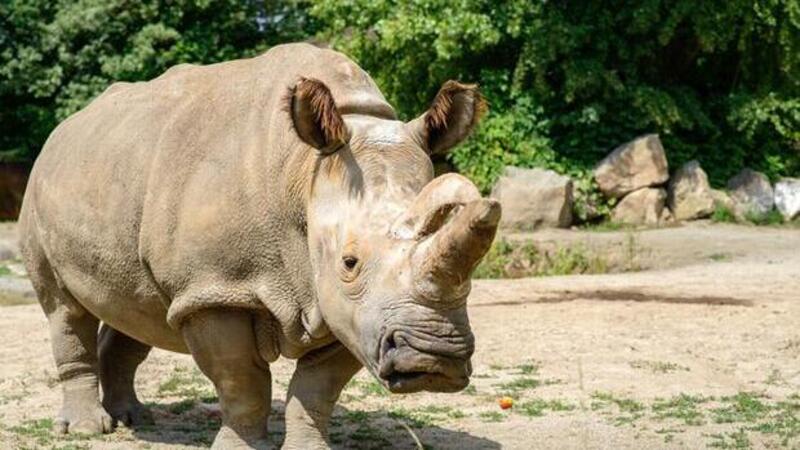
(131, 413)
(227, 438)
(83, 419)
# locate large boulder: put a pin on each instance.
(723, 200)
(637, 164)
(689, 195)
(642, 207)
(752, 192)
(787, 197)
(534, 198)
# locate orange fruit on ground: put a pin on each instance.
(506, 402)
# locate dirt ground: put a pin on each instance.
(701, 348)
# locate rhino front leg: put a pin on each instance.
(316, 384)
(120, 355)
(223, 344)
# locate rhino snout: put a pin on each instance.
(412, 361)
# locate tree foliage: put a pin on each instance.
(55, 56)
(569, 80)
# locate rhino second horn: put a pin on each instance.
(433, 204)
(447, 259)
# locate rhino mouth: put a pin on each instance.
(409, 364)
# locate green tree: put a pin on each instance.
(718, 80)
(55, 56)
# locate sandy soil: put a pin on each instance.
(701, 349)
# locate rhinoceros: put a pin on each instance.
(251, 209)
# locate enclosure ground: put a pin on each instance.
(699, 348)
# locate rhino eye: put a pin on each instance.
(350, 262)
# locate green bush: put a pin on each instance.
(507, 259)
(723, 214)
(773, 217)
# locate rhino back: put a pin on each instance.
(186, 192)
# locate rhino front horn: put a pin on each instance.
(444, 262)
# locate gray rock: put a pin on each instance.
(642, 207)
(752, 192)
(534, 198)
(637, 164)
(722, 200)
(787, 197)
(689, 195)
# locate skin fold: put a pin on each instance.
(247, 210)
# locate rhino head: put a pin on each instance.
(392, 249)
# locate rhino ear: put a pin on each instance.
(315, 116)
(452, 116)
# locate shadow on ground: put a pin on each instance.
(195, 423)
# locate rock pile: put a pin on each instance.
(636, 177)
(633, 173)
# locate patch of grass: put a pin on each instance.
(603, 399)
(507, 259)
(773, 217)
(370, 437)
(495, 261)
(734, 440)
(629, 410)
(4, 271)
(372, 387)
(631, 253)
(723, 214)
(519, 384)
(529, 369)
(41, 430)
(187, 383)
(669, 433)
(412, 418)
(538, 407)
(742, 407)
(682, 407)
(657, 366)
(427, 415)
(781, 419)
(356, 416)
(605, 226)
(492, 416)
(774, 378)
(784, 421)
(573, 260)
(720, 257)
(470, 390)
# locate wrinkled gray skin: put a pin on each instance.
(219, 211)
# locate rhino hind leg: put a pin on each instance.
(223, 343)
(120, 355)
(73, 335)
